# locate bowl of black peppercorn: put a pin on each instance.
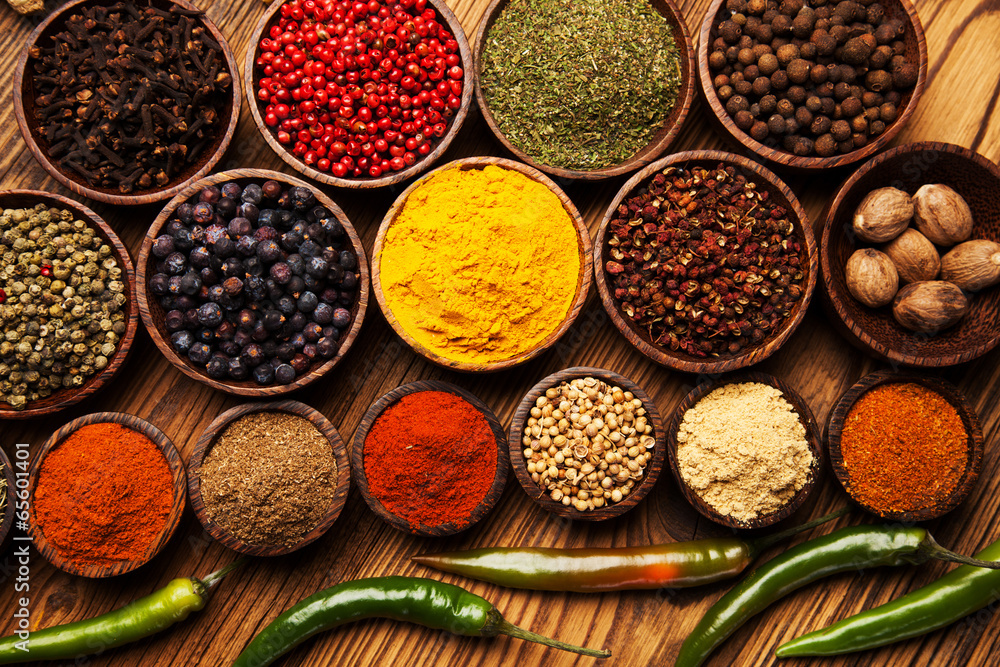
(252, 282)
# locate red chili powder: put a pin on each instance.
(430, 458)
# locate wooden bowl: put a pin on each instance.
(778, 192)
(812, 435)
(153, 314)
(211, 435)
(835, 426)
(874, 329)
(64, 398)
(916, 51)
(657, 144)
(173, 520)
(537, 493)
(24, 112)
(398, 522)
(250, 78)
(583, 279)
(8, 493)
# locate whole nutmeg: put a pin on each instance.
(929, 306)
(871, 277)
(941, 214)
(883, 215)
(915, 257)
(972, 265)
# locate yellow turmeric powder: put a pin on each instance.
(480, 265)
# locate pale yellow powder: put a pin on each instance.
(743, 450)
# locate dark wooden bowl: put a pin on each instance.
(583, 279)
(779, 193)
(874, 329)
(207, 441)
(812, 435)
(916, 51)
(8, 494)
(153, 314)
(398, 522)
(24, 112)
(64, 398)
(250, 78)
(173, 520)
(657, 144)
(537, 493)
(835, 425)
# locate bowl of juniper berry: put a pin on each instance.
(252, 282)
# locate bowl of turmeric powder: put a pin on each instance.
(482, 264)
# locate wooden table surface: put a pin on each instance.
(959, 106)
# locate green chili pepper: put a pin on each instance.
(430, 603)
(675, 565)
(956, 594)
(146, 616)
(845, 549)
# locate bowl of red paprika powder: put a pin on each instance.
(430, 458)
(108, 491)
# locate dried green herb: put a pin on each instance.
(580, 84)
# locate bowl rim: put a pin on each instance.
(425, 162)
(147, 303)
(970, 420)
(783, 157)
(177, 471)
(583, 278)
(215, 429)
(389, 399)
(7, 520)
(99, 380)
(806, 418)
(856, 333)
(146, 196)
(754, 354)
(654, 149)
(536, 493)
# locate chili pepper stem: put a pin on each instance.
(209, 582)
(763, 543)
(939, 552)
(498, 625)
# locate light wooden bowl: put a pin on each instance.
(398, 522)
(211, 435)
(657, 144)
(916, 51)
(835, 426)
(24, 112)
(778, 192)
(250, 78)
(64, 398)
(174, 461)
(537, 493)
(874, 330)
(153, 314)
(583, 279)
(9, 491)
(812, 435)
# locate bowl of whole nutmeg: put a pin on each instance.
(910, 255)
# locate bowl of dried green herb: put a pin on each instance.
(563, 91)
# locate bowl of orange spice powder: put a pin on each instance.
(107, 493)
(904, 446)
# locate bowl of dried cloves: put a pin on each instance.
(125, 103)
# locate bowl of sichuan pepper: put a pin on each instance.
(812, 85)
(127, 103)
(905, 447)
(359, 94)
(564, 92)
(252, 282)
(68, 310)
(706, 262)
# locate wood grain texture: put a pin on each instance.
(208, 440)
(162, 442)
(970, 421)
(641, 627)
(493, 494)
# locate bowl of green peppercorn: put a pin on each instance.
(67, 303)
